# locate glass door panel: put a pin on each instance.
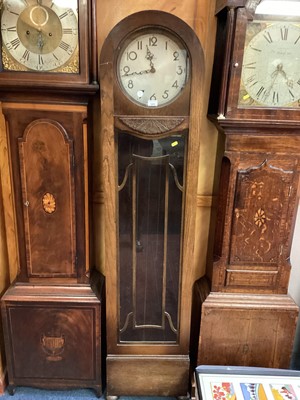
(151, 176)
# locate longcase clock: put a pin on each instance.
(52, 313)
(255, 103)
(151, 72)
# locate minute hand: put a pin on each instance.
(145, 71)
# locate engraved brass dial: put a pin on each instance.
(40, 35)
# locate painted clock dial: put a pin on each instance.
(153, 67)
(271, 65)
(40, 35)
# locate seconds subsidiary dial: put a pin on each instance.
(271, 65)
(40, 35)
(153, 68)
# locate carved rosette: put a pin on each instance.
(49, 203)
(152, 126)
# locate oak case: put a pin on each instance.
(163, 354)
(257, 204)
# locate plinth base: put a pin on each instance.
(147, 375)
(247, 330)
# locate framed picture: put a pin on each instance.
(246, 383)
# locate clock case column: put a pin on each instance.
(248, 318)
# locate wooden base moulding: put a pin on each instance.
(53, 337)
(247, 330)
(147, 375)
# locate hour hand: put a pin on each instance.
(40, 41)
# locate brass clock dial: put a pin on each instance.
(271, 65)
(40, 35)
(153, 68)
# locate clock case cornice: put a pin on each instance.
(85, 82)
(233, 17)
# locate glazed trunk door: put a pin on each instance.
(151, 175)
(46, 157)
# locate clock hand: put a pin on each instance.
(277, 70)
(146, 71)
(40, 41)
(274, 76)
(149, 56)
(288, 81)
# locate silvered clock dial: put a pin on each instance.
(271, 65)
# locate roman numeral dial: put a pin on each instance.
(40, 35)
(270, 71)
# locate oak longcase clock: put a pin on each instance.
(255, 102)
(150, 64)
(52, 313)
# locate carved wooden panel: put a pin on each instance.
(259, 214)
(152, 126)
(46, 157)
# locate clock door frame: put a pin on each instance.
(131, 366)
(33, 181)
